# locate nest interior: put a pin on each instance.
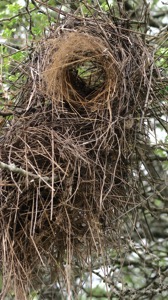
(90, 73)
(72, 148)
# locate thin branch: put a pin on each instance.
(14, 169)
(161, 14)
(6, 113)
(15, 16)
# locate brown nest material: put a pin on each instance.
(68, 158)
(83, 69)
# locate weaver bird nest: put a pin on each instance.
(68, 158)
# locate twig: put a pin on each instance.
(13, 168)
(6, 113)
(15, 16)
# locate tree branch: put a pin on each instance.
(14, 169)
(6, 113)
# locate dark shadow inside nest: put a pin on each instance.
(87, 79)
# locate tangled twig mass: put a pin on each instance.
(85, 101)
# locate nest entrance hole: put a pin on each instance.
(87, 78)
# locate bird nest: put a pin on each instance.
(83, 69)
(68, 157)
